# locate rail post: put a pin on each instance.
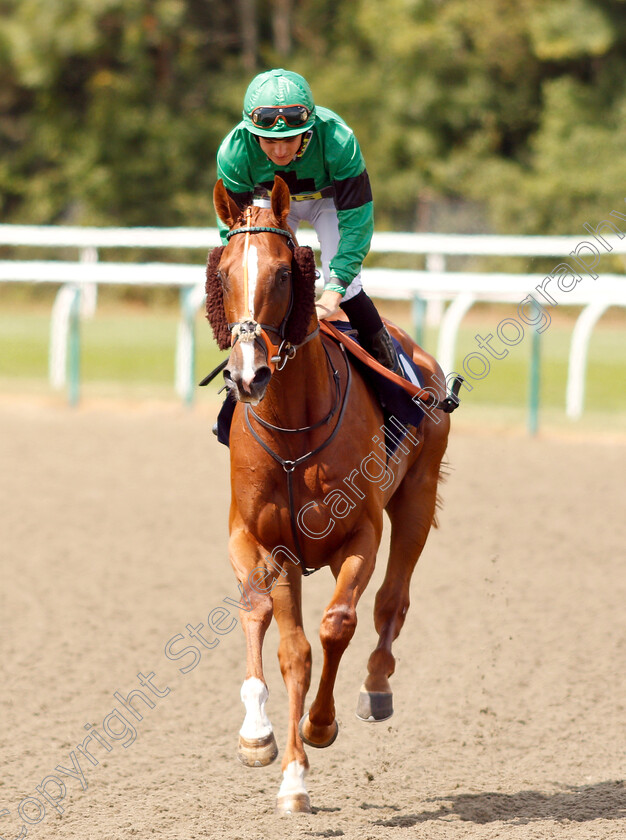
(73, 356)
(191, 299)
(64, 364)
(418, 312)
(534, 387)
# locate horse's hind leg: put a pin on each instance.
(411, 511)
(294, 655)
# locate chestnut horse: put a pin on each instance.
(308, 489)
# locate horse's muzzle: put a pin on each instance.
(248, 389)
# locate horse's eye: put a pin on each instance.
(223, 280)
(283, 274)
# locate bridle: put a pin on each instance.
(248, 329)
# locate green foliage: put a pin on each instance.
(108, 114)
(111, 111)
(564, 29)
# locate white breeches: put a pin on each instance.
(321, 214)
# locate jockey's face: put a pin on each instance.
(280, 151)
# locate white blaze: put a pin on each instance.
(253, 273)
(247, 355)
(256, 723)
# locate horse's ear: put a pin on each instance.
(225, 207)
(280, 200)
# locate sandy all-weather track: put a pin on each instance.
(509, 692)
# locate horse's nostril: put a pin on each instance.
(262, 376)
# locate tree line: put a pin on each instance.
(504, 115)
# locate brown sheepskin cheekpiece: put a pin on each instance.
(215, 301)
(303, 279)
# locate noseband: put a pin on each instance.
(248, 329)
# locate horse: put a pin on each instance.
(308, 488)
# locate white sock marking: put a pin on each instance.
(293, 779)
(256, 723)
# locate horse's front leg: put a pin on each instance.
(294, 655)
(319, 728)
(257, 744)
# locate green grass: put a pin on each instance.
(129, 350)
(129, 346)
(507, 382)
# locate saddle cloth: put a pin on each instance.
(394, 400)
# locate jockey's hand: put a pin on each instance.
(328, 304)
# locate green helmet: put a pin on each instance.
(277, 89)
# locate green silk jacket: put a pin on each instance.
(329, 160)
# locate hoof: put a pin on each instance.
(326, 734)
(293, 803)
(374, 706)
(258, 752)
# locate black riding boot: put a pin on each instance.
(383, 350)
(373, 333)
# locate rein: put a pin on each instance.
(288, 465)
(447, 405)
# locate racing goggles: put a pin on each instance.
(266, 116)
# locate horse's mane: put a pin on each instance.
(303, 279)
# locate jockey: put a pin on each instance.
(283, 133)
